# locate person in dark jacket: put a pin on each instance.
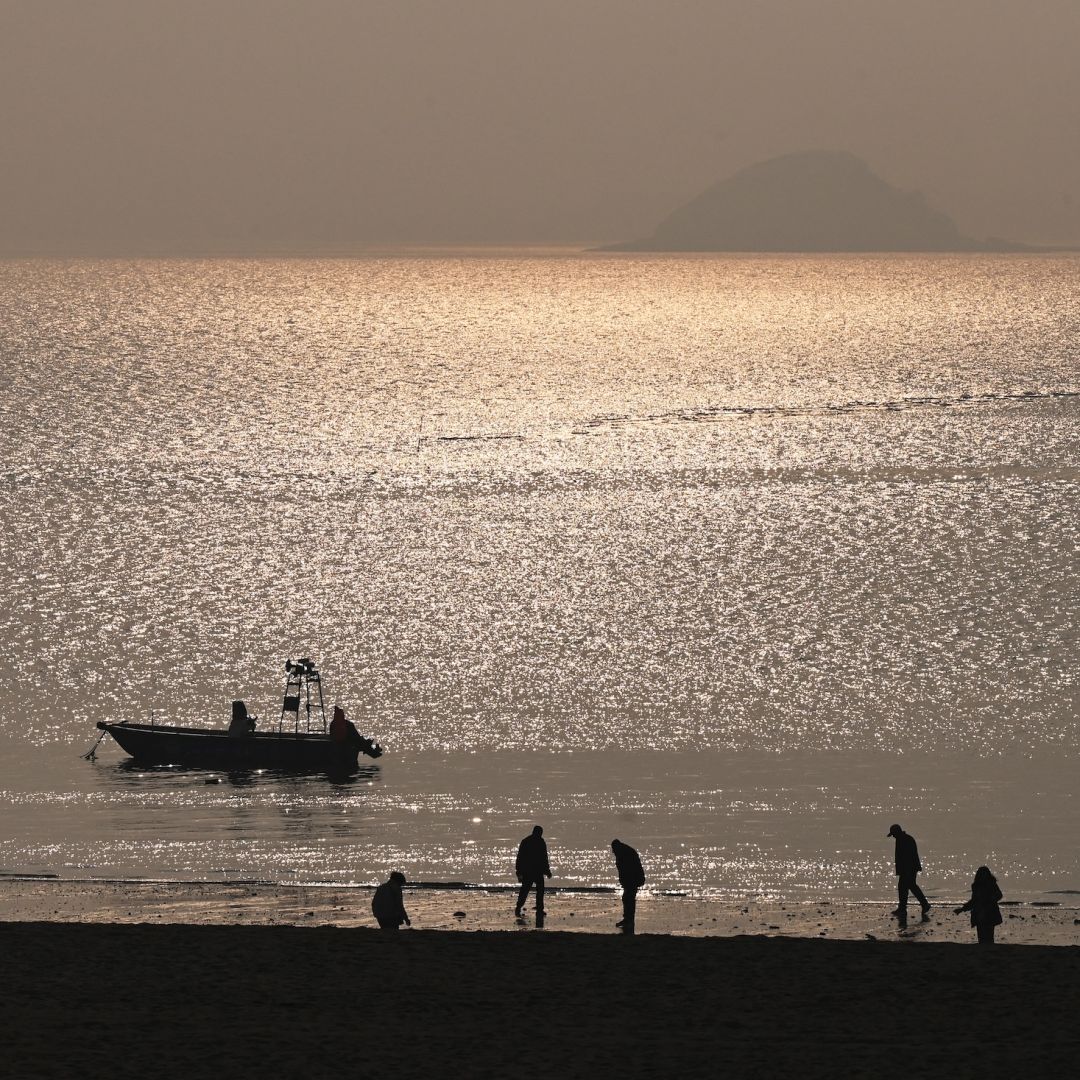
(631, 878)
(339, 729)
(531, 868)
(387, 904)
(907, 866)
(983, 905)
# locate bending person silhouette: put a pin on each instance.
(907, 866)
(631, 878)
(387, 905)
(983, 905)
(532, 867)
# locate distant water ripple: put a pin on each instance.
(717, 412)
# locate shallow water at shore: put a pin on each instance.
(730, 825)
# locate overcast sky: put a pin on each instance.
(169, 125)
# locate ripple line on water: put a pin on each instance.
(719, 412)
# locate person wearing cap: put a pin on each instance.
(907, 866)
(387, 904)
(631, 878)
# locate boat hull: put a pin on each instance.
(157, 744)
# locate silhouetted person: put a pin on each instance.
(531, 868)
(339, 730)
(983, 905)
(387, 905)
(242, 723)
(907, 866)
(631, 878)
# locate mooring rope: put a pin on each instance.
(91, 754)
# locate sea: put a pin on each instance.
(738, 559)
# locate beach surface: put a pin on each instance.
(470, 908)
(167, 999)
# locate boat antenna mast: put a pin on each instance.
(303, 683)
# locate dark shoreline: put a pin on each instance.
(194, 1001)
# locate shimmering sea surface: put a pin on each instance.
(738, 559)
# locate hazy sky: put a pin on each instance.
(156, 125)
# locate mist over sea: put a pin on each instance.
(739, 559)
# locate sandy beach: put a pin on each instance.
(197, 979)
(112, 1000)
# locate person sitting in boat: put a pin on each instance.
(242, 724)
(339, 726)
(387, 905)
(344, 731)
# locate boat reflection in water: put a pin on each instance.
(317, 748)
(130, 772)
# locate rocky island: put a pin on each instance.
(817, 201)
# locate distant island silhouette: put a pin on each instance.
(821, 200)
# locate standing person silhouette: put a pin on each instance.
(983, 905)
(631, 878)
(387, 904)
(532, 867)
(907, 866)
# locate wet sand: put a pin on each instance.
(173, 1000)
(471, 909)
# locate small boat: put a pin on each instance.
(290, 747)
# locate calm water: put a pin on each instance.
(739, 559)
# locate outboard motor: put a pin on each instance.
(363, 744)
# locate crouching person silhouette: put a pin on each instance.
(532, 867)
(387, 904)
(631, 878)
(983, 905)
